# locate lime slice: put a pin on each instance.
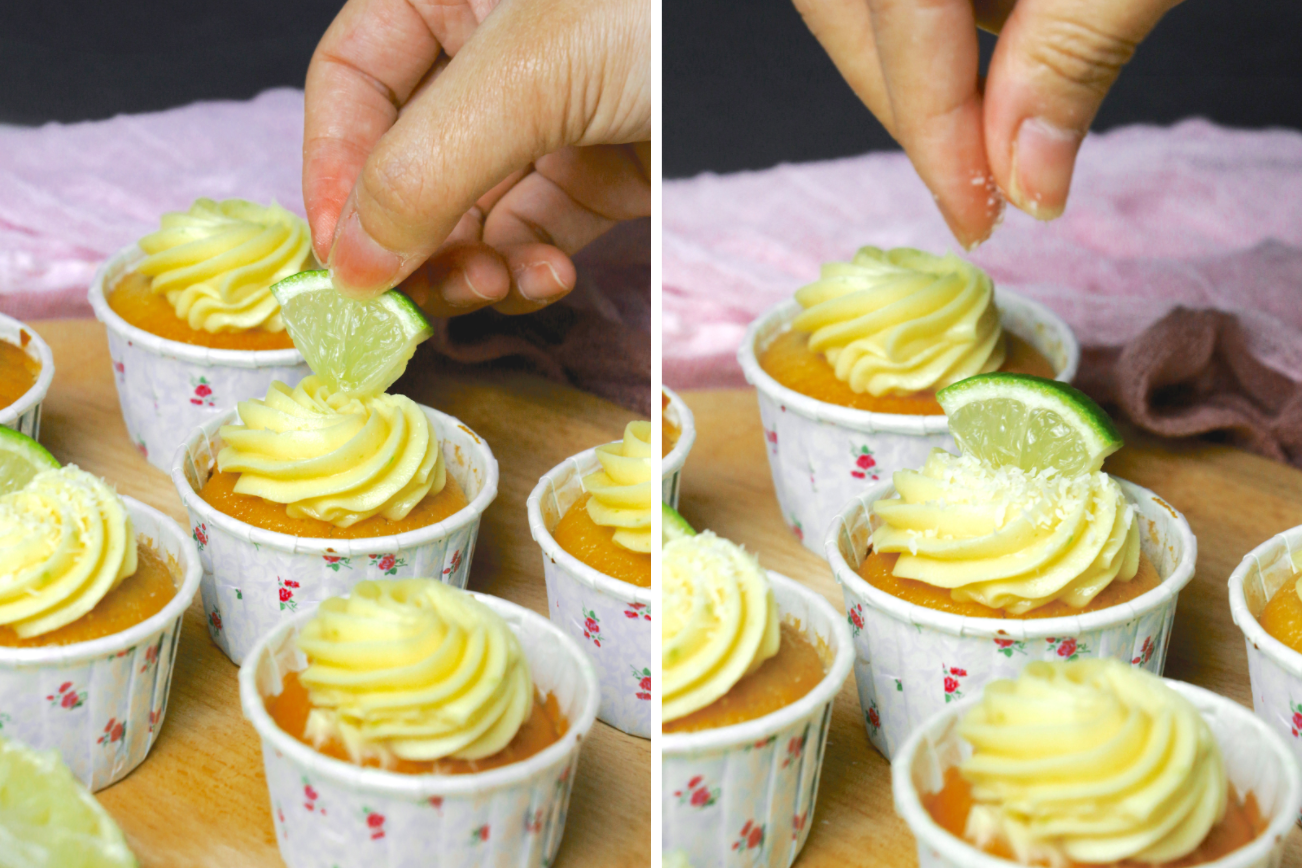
(672, 525)
(21, 458)
(47, 818)
(1028, 422)
(358, 347)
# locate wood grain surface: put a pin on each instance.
(200, 798)
(1233, 501)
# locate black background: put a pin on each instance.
(745, 85)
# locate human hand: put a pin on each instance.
(914, 64)
(467, 151)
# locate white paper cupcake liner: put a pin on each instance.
(821, 454)
(168, 388)
(609, 619)
(744, 795)
(253, 579)
(912, 661)
(24, 415)
(1274, 669)
(671, 466)
(101, 703)
(1256, 759)
(330, 813)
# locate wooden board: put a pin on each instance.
(200, 799)
(1233, 501)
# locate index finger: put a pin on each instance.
(370, 60)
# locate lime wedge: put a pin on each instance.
(672, 525)
(21, 458)
(358, 347)
(48, 818)
(1028, 422)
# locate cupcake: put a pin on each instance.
(416, 723)
(677, 434)
(26, 371)
(296, 497)
(591, 516)
(192, 325)
(1137, 771)
(751, 663)
(967, 569)
(92, 590)
(846, 373)
(1266, 604)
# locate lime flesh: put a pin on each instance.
(21, 458)
(48, 819)
(672, 525)
(1028, 422)
(357, 347)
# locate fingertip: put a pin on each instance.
(1042, 162)
(359, 266)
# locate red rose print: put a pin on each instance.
(436, 802)
(771, 436)
(202, 390)
(69, 700)
(310, 793)
(215, 618)
(645, 683)
(64, 686)
(376, 823)
(1067, 648)
(858, 474)
(331, 559)
(865, 461)
(856, 617)
(950, 685)
(1297, 719)
(285, 594)
(692, 784)
(386, 562)
(755, 837)
(874, 718)
(961, 673)
(1004, 643)
(119, 367)
(700, 797)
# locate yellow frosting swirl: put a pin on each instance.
(1006, 538)
(414, 669)
(331, 457)
(216, 262)
(900, 321)
(65, 542)
(719, 620)
(1091, 762)
(621, 490)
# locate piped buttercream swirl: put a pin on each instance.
(331, 457)
(216, 262)
(1091, 762)
(65, 541)
(719, 620)
(621, 490)
(902, 321)
(1006, 538)
(414, 669)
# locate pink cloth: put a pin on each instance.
(1193, 215)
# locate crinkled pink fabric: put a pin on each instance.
(73, 194)
(1194, 215)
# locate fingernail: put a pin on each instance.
(1044, 156)
(458, 290)
(359, 266)
(539, 282)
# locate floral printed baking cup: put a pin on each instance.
(912, 661)
(101, 703)
(328, 812)
(24, 415)
(744, 795)
(1257, 761)
(1274, 669)
(610, 619)
(680, 416)
(254, 579)
(167, 388)
(821, 454)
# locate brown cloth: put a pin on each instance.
(1194, 372)
(598, 338)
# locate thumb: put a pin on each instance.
(1054, 63)
(536, 76)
